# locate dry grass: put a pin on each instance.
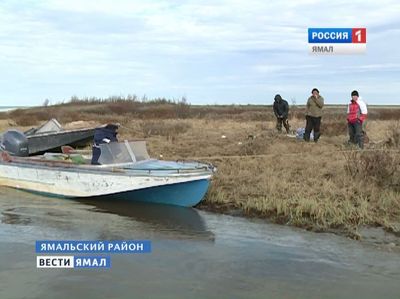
(320, 186)
(287, 181)
(311, 189)
(163, 128)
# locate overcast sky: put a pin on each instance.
(211, 52)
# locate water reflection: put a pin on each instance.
(164, 218)
(106, 219)
(14, 216)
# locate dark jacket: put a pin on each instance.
(105, 135)
(102, 135)
(281, 107)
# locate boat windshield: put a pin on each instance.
(123, 152)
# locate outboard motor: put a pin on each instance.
(15, 143)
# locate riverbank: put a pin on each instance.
(320, 187)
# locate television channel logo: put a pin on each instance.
(333, 41)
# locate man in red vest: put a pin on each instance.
(356, 116)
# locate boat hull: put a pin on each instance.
(41, 143)
(173, 188)
(187, 194)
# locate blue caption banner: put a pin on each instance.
(74, 246)
(330, 35)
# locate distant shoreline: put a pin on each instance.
(8, 108)
(267, 105)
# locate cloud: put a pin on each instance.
(203, 49)
(270, 68)
(381, 66)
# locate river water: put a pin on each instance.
(195, 254)
(8, 108)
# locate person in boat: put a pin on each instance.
(103, 135)
(313, 115)
(356, 115)
(281, 111)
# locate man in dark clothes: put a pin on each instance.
(281, 111)
(102, 135)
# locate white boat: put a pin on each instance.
(126, 172)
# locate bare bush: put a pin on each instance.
(163, 128)
(254, 146)
(122, 107)
(28, 118)
(334, 127)
(394, 136)
(182, 108)
(380, 167)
